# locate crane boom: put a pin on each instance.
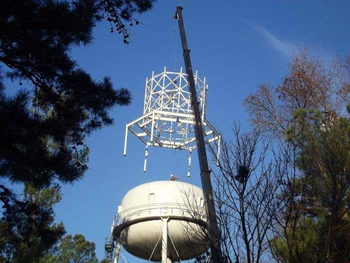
(214, 233)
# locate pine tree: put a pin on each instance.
(72, 249)
(44, 126)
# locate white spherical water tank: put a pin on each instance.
(163, 213)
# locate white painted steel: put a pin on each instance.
(165, 240)
(177, 203)
(168, 119)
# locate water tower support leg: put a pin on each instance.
(117, 252)
(165, 240)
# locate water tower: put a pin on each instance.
(162, 221)
(169, 221)
(165, 221)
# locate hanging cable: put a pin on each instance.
(177, 163)
(175, 62)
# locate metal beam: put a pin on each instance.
(214, 233)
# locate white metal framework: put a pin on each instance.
(168, 120)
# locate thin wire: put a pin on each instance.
(177, 163)
(191, 169)
(175, 62)
(154, 249)
(172, 242)
(123, 257)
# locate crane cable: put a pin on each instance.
(177, 163)
(175, 60)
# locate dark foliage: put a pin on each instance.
(43, 130)
(73, 249)
(117, 12)
(44, 126)
(27, 228)
(306, 117)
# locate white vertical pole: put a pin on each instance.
(152, 128)
(147, 93)
(189, 164)
(145, 162)
(126, 139)
(117, 252)
(219, 151)
(151, 92)
(204, 99)
(163, 90)
(165, 241)
(112, 225)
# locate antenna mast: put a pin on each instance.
(214, 233)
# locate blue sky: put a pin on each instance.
(236, 45)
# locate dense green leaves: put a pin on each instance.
(73, 250)
(322, 198)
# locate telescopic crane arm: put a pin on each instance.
(214, 233)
